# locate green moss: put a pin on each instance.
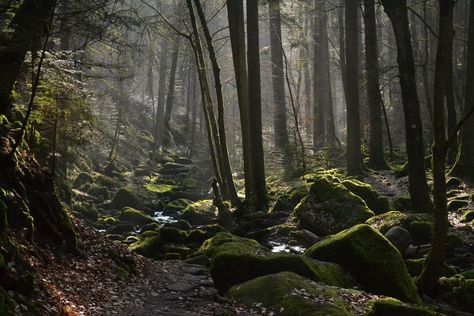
(393, 307)
(160, 188)
(290, 294)
(172, 234)
(86, 211)
(361, 250)
(125, 197)
(99, 192)
(402, 204)
(106, 181)
(422, 232)
(121, 228)
(181, 224)
(209, 246)
(384, 222)
(198, 236)
(135, 217)
(177, 205)
(415, 266)
(453, 182)
(367, 193)
(468, 216)
(82, 179)
(458, 291)
(457, 204)
(189, 183)
(200, 213)
(149, 247)
(3, 216)
(330, 207)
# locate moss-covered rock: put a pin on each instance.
(108, 182)
(198, 236)
(458, 291)
(121, 228)
(181, 224)
(422, 232)
(393, 307)
(172, 234)
(289, 294)
(126, 197)
(402, 204)
(86, 211)
(174, 168)
(81, 179)
(330, 207)
(468, 216)
(415, 267)
(453, 182)
(200, 213)
(148, 246)
(384, 222)
(177, 206)
(361, 250)
(6, 307)
(367, 193)
(136, 217)
(100, 192)
(457, 204)
(160, 188)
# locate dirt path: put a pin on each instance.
(91, 284)
(387, 184)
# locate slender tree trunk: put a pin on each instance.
(374, 98)
(235, 12)
(451, 102)
(171, 85)
(354, 153)
(464, 166)
(319, 106)
(280, 127)
(258, 199)
(230, 191)
(428, 281)
(160, 106)
(194, 106)
(418, 187)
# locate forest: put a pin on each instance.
(231, 157)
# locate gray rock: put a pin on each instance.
(400, 238)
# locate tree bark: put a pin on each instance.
(428, 281)
(418, 187)
(258, 198)
(374, 98)
(354, 153)
(280, 127)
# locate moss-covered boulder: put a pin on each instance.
(402, 204)
(171, 168)
(200, 213)
(468, 216)
(236, 259)
(126, 197)
(330, 207)
(384, 222)
(393, 307)
(121, 229)
(177, 206)
(172, 235)
(289, 294)
(415, 267)
(198, 236)
(100, 192)
(458, 290)
(457, 204)
(366, 192)
(82, 179)
(136, 217)
(6, 306)
(422, 232)
(148, 246)
(160, 188)
(85, 211)
(371, 259)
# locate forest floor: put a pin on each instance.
(107, 279)
(91, 285)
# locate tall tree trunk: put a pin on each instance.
(258, 197)
(354, 153)
(29, 24)
(280, 127)
(235, 12)
(230, 191)
(160, 106)
(211, 125)
(194, 107)
(374, 98)
(428, 281)
(319, 104)
(171, 85)
(451, 101)
(464, 166)
(418, 187)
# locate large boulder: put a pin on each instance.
(371, 259)
(400, 238)
(392, 307)
(135, 217)
(126, 197)
(330, 207)
(171, 168)
(366, 192)
(289, 294)
(243, 259)
(200, 213)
